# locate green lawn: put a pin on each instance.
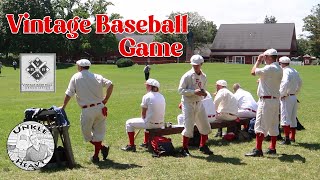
(297, 161)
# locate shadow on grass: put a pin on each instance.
(110, 164)
(221, 159)
(310, 146)
(55, 168)
(222, 142)
(292, 158)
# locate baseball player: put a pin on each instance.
(267, 117)
(226, 104)
(88, 88)
(146, 71)
(290, 86)
(247, 106)
(152, 114)
(14, 64)
(208, 106)
(192, 88)
(0, 67)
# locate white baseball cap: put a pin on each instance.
(271, 52)
(284, 59)
(83, 62)
(222, 83)
(153, 82)
(196, 60)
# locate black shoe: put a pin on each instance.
(95, 159)
(286, 142)
(219, 134)
(255, 153)
(129, 148)
(185, 152)
(205, 150)
(292, 140)
(144, 145)
(271, 151)
(105, 152)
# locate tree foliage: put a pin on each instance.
(91, 43)
(312, 25)
(203, 31)
(270, 20)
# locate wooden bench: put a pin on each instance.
(232, 126)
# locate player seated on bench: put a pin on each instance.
(152, 114)
(225, 103)
(247, 106)
(208, 106)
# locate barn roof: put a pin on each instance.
(255, 36)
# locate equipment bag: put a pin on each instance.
(251, 128)
(162, 146)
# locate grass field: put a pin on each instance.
(297, 161)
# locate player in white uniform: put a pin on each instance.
(192, 88)
(88, 88)
(267, 117)
(226, 104)
(208, 106)
(290, 86)
(152, 113)
(247, 106)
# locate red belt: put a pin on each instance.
(227, 113)
(250, 110)
(211, 116)
(91, 105)
(156, 123)
(268, 97)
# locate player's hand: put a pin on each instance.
(198, 92)
(261, 58)
(104, 101)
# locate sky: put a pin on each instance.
(220, 11)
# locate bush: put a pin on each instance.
(124, 62)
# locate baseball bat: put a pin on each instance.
(135, 136)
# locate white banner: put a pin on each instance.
(37, 72)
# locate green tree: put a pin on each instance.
(312, 25)
(270, 20)
(303, 46)
(203, 31)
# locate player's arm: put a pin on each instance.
(183, 87)
(299, 83)
(108, 94)
(71, 90)
(284, 84)
(143, 112)
(108, 84)
(256, 65)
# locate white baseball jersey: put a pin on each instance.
(291, 82)
(290, 86)
(270, 79)
(189, 82)
(88, 87)
(156, 106)
(245, 100)
(225, 102)
(267, 116)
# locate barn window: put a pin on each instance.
(238, 59)
(254, 59)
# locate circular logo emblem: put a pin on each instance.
(30, 145)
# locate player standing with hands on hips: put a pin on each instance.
(88, 88)
(192, 88)
(267, 116)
